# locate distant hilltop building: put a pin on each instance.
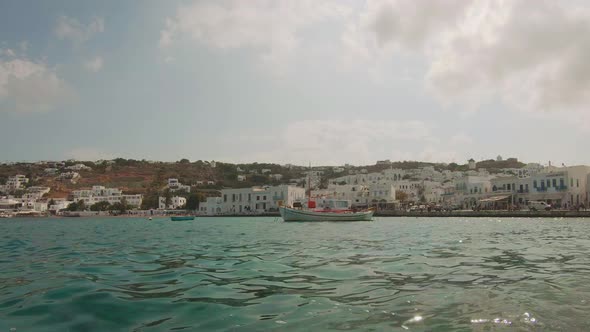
(175, 185)
(79, 167)
(471, 164)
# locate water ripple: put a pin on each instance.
(255, 274)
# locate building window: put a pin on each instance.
(571, 183)
(249, 197)
(577, 182)
(535, 184)
(225, 197)
(561, 183)
(509, 186)
(264, 197)
(554, 181)
(257, 197)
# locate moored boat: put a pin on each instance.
(181, 218)
(291, 214)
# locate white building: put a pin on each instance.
(276, 177)
(131, 200)
(16, 182)
(175, 203)
(79, 167)
(51, 171)
(241, 178)
(175, 185)
(102, 194)
(382, 195)
(252, 200)
(212, 206)
(96, 191)
(59, 204)
(72, 176)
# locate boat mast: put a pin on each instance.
(309, 184)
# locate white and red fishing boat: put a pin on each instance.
(330, 210)
(323, 209)
(324, 214)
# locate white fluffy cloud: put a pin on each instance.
(532, 57)
(94, 65)
(272, 26)
(28, 86)
(72, 29)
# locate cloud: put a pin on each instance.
(533, 58)
(461, 139)
(94, 65)
(7, 52)
(472, 53)
(71, 29)
(28, 86)
(341, 141)
(407, 23)
(272, 27)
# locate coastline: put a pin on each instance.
(382, 213)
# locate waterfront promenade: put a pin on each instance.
(458, 213)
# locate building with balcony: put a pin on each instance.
(253, 200)
(176, 202)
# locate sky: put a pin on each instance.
(326, 82)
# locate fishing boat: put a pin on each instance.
(323, 209)
(292, 214)
(181, 218)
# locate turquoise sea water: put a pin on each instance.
(261, 274)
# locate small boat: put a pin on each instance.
(327, 210)
(181, 218)
(323, 209)
(150, 218)
(291, 214)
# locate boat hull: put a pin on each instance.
(289, 214)
(182, 218)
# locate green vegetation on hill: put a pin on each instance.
(495, 165)
(150, 178)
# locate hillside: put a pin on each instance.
(150, 178)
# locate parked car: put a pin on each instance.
(539, 206)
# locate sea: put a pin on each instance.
(262, 274)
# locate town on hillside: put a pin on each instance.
(127, 186)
